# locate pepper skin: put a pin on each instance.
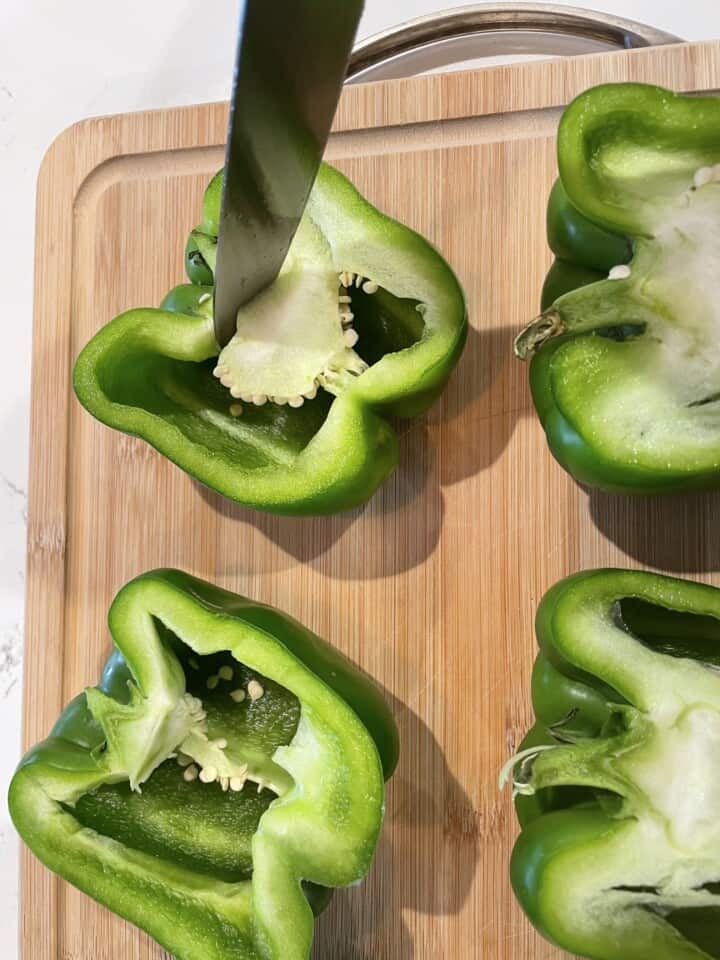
(625, 372)
(564, 276)
(366, 321)
(617, 785)
(575, 239)
(226, 756)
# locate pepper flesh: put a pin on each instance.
(211, 869)
(365, 321)
(617, 785)
(625, 372)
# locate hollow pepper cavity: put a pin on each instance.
(617, 786)
(625, 371)
(225, 774)
(365, 321)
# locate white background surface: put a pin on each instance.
(58, 64)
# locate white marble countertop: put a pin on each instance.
(58, 65)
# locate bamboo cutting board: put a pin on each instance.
(432, 587)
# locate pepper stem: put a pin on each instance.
(549, 324)
(524, 759)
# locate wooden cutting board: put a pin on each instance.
(432, 587)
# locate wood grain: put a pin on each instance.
(432, 587)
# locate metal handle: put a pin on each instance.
(493, 29)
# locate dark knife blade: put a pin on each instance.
(291, 63)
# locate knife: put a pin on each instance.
(292, 58)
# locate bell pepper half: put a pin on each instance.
(617, 785)
(223, 776)
(625, 371)
(365, 321)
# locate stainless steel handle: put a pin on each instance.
(493, 29)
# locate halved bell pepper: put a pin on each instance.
(618, 783)
(226, 772)
(625, 369)
(365, 321)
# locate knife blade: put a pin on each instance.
(291, 62)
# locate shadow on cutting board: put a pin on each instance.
(399, 528)
(425, 861)
(395, 531)
(481, 405)
(674, 533)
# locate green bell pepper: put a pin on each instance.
(618, 783)
(142, 794)
(584, 252)
(625, 370)
(365, 321)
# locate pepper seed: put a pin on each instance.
(212, 681)
(621, 272)
(208, 774)
(225, 673)
(255, 690)
(702, 176)
(236, 784)
(190, 773)
(238, 695)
